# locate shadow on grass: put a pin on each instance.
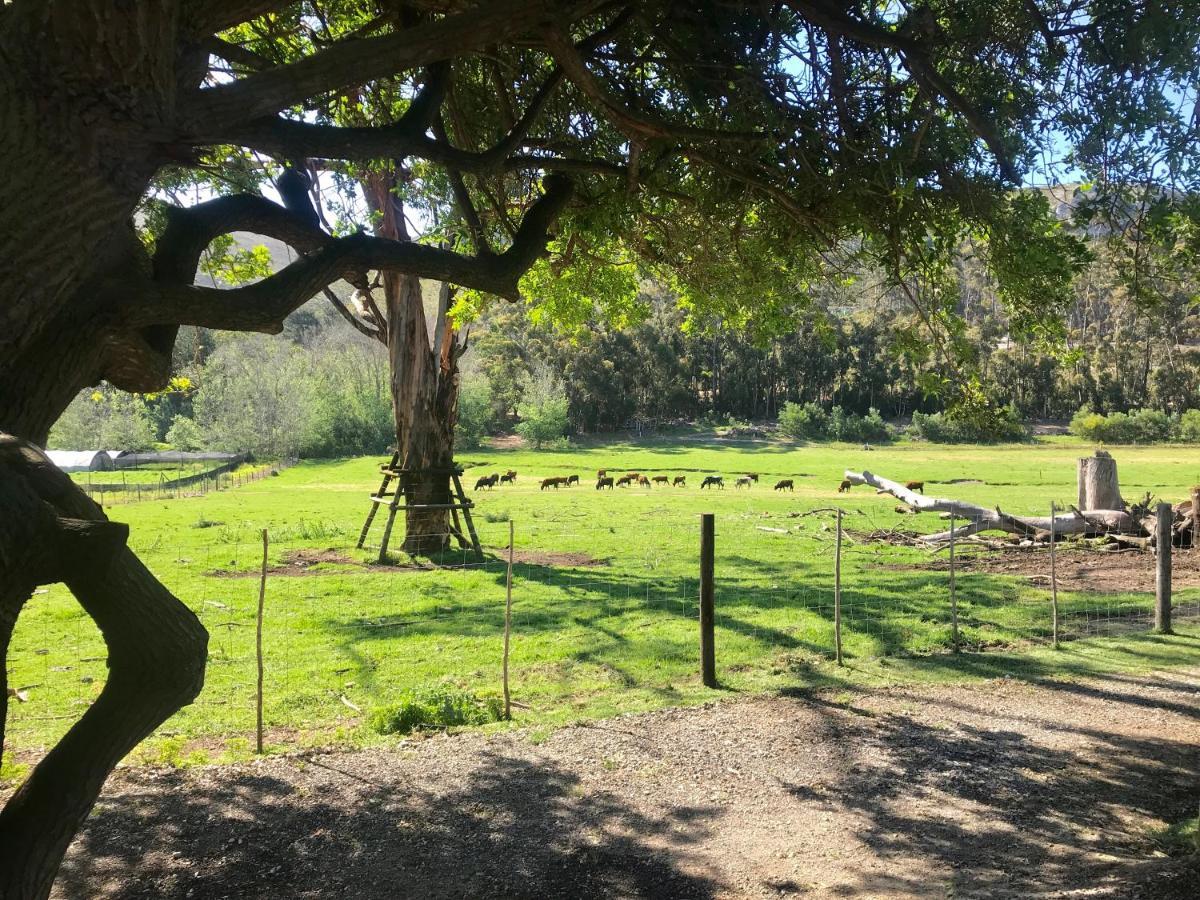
(510, 827)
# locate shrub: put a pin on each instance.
(474, 414)
(184, 434)
(806, 421)
(436, 707)
(1001, 426)
(1189, 426)
(1142, 426)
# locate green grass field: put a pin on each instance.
(618, 634)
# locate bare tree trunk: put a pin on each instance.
(425, 400)
(979, 518)
(1097, 482)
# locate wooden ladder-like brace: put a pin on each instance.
(391, 499)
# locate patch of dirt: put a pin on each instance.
(1005, 789)
(1098, 572)
(553, 558)
(295, 563)
(507, 442)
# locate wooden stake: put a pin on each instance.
(1053, 580)
(708, 658)
(953, 595)
(837, 592)
(508, 622)
(262, 596)
(1162, 581)
(1196, 533)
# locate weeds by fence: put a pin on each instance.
(342, 636)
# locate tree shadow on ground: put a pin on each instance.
(995, 810)
(350, 827)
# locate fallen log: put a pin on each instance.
(979, 518)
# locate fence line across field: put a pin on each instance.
(832, 602)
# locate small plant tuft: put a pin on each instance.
(436, 707)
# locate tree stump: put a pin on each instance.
(1097, 482)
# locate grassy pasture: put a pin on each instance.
(605, 592)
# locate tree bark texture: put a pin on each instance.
(51, 531)
(1098, 487)
(424, 389)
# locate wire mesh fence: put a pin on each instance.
(344, 635)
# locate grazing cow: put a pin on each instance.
(915, 486)
(487, 481)
(601, 473)
(508, 477)
(643, 481)
(604, 482)
(552, 482)
(743, 482)
(680, 481)
(624, 480)
(661, 479)
(753, 476)
(512, 475)
(844, 487)
(713, 481)
(574, 479)
(785, 485)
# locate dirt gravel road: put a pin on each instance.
(1002, 789)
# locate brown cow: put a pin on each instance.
(604, 482)
(508, 478)
(753, 476)
(661, 479)
(573, 479)
(601, 473)
(624, 480)
(633, 476)
(487, 481)
(844, 487)
(552, 482)
(785, 485)
(643, 481)
(915, 486)
(680, 481)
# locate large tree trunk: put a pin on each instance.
(424, 386)
(51, 531)
(1097, 482)
(425, 400)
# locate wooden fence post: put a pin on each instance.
(1196, 517)
(708, 660)
(1162, 581)
(953, 594)
(508, 622)
(837, 592)
(262, 596)
(1053, 580)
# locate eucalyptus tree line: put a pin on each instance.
(729, 147)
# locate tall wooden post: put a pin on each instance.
(1196, 517)
(1162, 583)
(837, 592)
(258, 640)
(953, 593)
(508, 621)
(708, 659)
(1053, 581)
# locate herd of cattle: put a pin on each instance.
(631, 479)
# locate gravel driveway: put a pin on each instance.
(1002, 789)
